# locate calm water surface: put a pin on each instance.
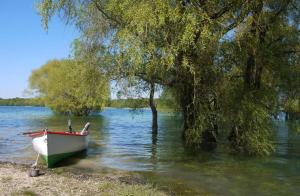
(122, 139)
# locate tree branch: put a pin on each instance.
(100, 9)
(201, 5)
(240, 18)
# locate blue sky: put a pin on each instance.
(25, 45)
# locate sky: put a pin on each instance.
(25, 45)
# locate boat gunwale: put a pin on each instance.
(41, 133)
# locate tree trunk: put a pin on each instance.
(153, 108)
(252, 73)
(187, 106)
(249, 75)
(190, 111)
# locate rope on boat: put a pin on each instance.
(38, 156)
(34, 171)
(36, 161)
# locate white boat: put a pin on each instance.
(55, 146)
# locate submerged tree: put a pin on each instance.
(70, 86)
(260, 61)
(182, 45)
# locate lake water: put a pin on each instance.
(122, 139)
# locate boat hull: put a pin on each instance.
(52, 160)
(56, 146)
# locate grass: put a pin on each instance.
(25, 192)
(121, 186)
(28, 193)
(122, 189)
(59, 170)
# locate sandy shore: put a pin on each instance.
(14, 180)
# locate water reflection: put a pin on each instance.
(282, 137)
(154, 151)
(122, 139)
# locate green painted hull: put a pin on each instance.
(52, 160)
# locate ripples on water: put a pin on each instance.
(122, 139)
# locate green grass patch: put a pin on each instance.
(122, 189)
(25, 192)
(28, 193)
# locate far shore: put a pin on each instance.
(14, 180)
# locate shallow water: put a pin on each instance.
(122, 139)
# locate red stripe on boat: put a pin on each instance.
(57, 133)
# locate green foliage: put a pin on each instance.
(70, 86)
(251, 128)
(292, 108)
(227, 62)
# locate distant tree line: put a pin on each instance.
(128, 103)
(115, 103)
(21, 102)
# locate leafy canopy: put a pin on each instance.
(70, 86)
(228, 63)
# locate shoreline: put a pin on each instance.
(14, 180)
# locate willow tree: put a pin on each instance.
(172, 43)
(261, 60)
(178, 44)
(70, 86)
